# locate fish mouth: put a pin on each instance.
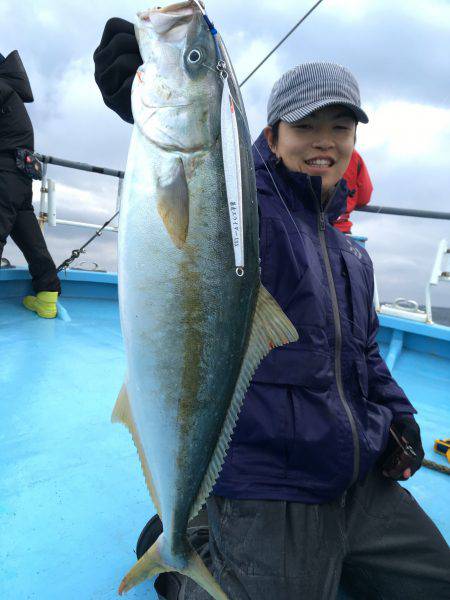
(165, 19)
(177, 6)
(178, 9)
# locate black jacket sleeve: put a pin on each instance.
(117, 59)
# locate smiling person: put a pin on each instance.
(308, 498)
(319, 144)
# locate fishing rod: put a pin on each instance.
(311, 10)
(77, 252)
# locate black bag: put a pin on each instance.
(27, 162)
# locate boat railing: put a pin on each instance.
(47, 208)
(402, 307)
(440, 272)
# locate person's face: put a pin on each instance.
(320, 144)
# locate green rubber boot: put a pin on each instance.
(44, 304)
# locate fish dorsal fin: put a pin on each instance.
(122, 414)
(173, 201)
(270, 329)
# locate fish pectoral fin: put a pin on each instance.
(173, 200)
(122, 414)
(189, 564)
(271, 328)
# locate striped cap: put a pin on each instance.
(311, 86)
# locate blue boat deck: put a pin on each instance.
(72, 497)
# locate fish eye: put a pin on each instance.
(194, 56)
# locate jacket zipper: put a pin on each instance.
(338, 336)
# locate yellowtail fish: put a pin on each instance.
(195, 318)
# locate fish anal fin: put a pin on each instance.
(271, 328)
(122, 414)
(173, 201)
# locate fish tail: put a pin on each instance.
(199, 573)
(152, 563)
(149, 565)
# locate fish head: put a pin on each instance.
(176, 92)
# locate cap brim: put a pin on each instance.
(301, 113)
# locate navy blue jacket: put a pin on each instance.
(317, 414)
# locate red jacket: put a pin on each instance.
(358, 179)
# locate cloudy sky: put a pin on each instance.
(399, 52)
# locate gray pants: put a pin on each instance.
(376, 541)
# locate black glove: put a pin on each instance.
(404, 449)
(116, 61)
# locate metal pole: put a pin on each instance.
(376, 297)
(43, 204)
(405, 212)
(434, 277)
(51, 203)
(70, 164)
(83, 225)
(119, 195)
(428, 303)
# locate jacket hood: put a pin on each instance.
(265, 160)
(12, 72)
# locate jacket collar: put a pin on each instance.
(299, 191)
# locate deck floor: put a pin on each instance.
(72, 497)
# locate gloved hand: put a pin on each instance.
(403, 456)
(116, 61)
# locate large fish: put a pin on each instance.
(195, 318)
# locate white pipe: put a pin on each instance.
(438, 262)
(86, 225)
(119, 194)
(376, 298)
(428, 302)
(43, 201)
(51, 202)
(435, 275)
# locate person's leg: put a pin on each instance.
(8, 210)
(28, 236)
(394, 549)
(261, 550)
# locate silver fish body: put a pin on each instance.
(188, 319)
